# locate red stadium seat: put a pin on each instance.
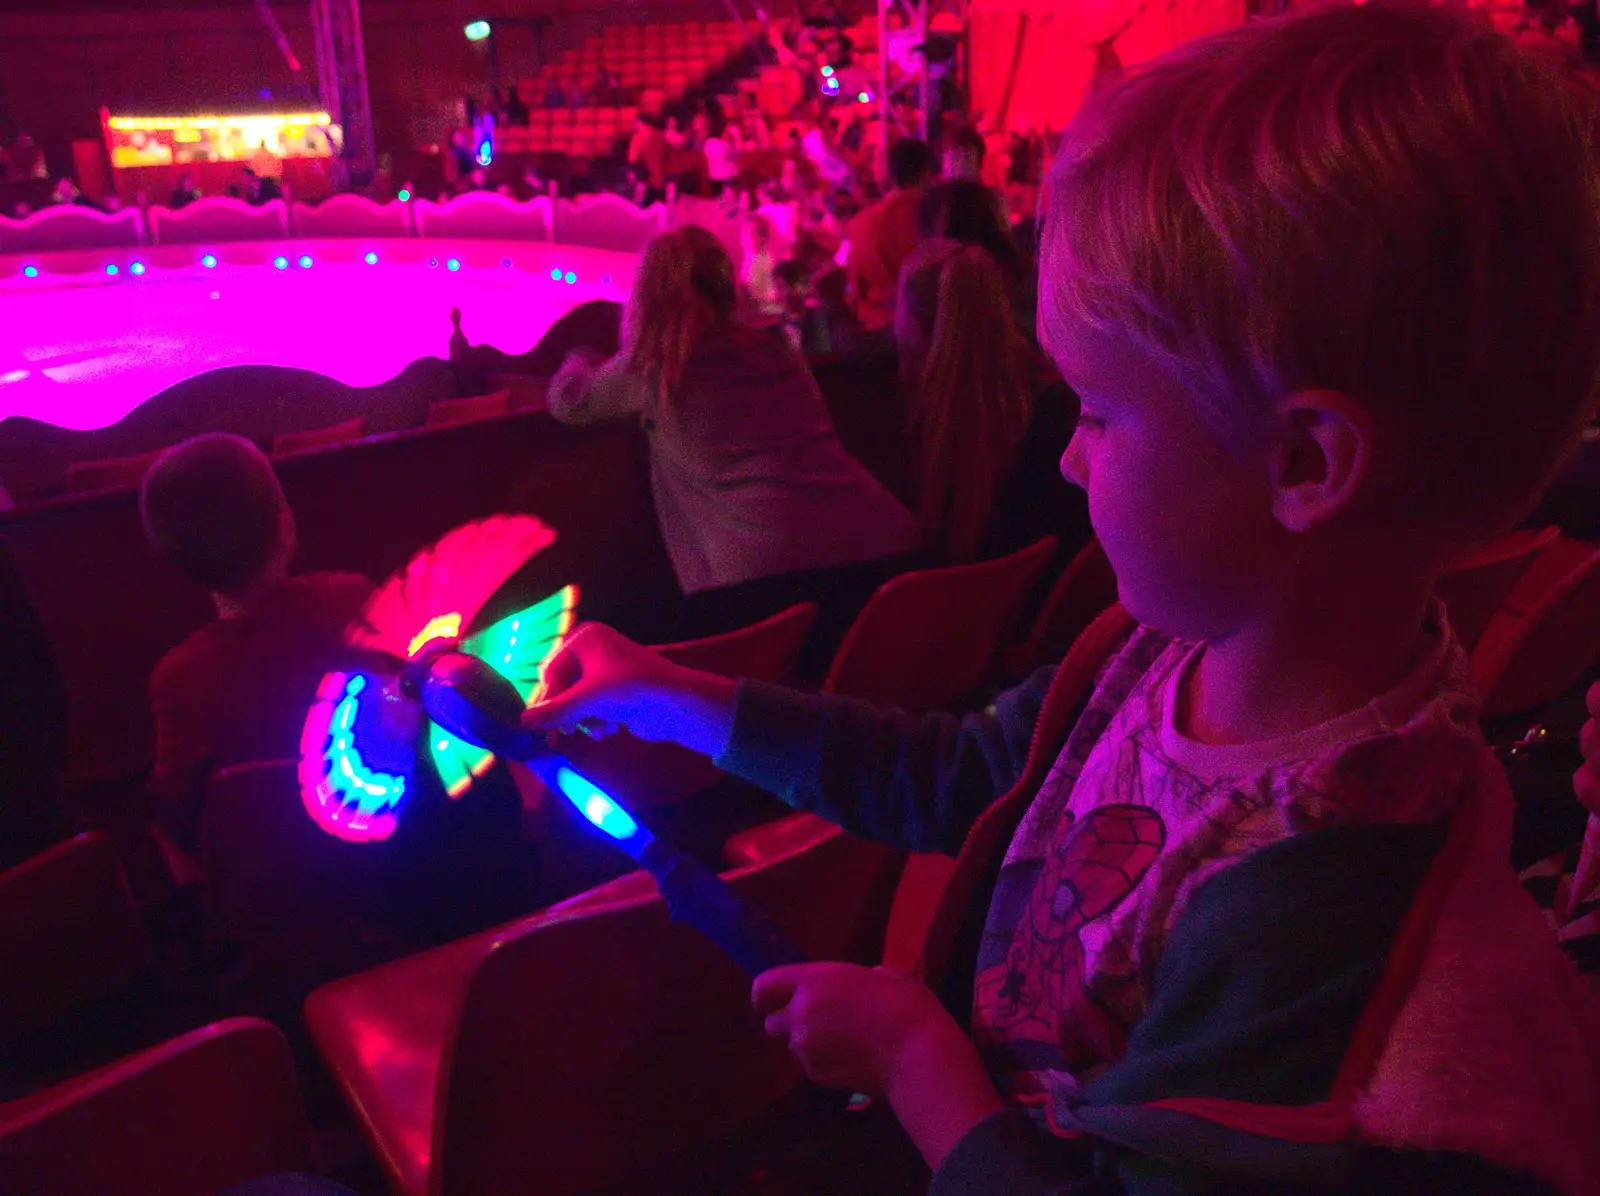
(1474, 587)
(1085, 588)
(594, 1041)
(70, 938)
(922, 642)
(928, 638)
(315, 438)
(205, 1111)
(764, 651)
(1545, 635)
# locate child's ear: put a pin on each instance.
(1321, 457)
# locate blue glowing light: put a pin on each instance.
(136, 268)
(30, 271)
(485, 152)
(433, 263)
(505, 263)
(555, 276)
(571, 278)
(111, 269)
(453, 264)
(371, 259)
(209, 261)
(831, 86)
(305, 261)
(405, 195)
(281, 262)
(864, 97)
(827, 72)
(594, 805)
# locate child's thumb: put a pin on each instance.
(561, 712)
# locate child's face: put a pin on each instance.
(1185, 519)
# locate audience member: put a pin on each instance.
(967, 211)
(184, 192)
(66, 192)
(964, 152)
(722, 148)
(26, 160)
(759, 503)
(757, 132)
(985, 418)
(647, 152)
(883, 236)
(759, 277)
(516, 108)
(238, 688)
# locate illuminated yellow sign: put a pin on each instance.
(128, 124)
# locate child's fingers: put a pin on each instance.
(779, 1026)
(774, 988)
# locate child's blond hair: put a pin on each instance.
(1385, 200)
(683, 288)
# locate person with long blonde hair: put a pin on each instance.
(750, 481)
(985, 424)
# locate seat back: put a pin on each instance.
(656, 774)
(314, 438)
(1473, 589)
(765, 651)
(269, 870)
(1545, 635)
(597, 1043)
(1087, 586)
(70, 937)
(111, 474)
(929, 637)
(205, 1111)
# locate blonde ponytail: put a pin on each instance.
(973, 396)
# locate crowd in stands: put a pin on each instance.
(1270, 864)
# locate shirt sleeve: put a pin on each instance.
(581, 395)
(915, 782)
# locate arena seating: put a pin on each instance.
(70, 939)
(205, 1111)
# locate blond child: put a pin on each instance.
(1328, 287)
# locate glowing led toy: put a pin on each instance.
(404, 196)
(360, 745)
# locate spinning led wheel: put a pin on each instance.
(359, 747)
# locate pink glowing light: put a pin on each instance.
(82, 350)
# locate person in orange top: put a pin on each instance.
(883, 236)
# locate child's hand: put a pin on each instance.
(852, 1027)
(601, 680)
(1586, 783)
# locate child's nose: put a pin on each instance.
(1075, 462)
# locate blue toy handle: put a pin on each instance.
(698, 897)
